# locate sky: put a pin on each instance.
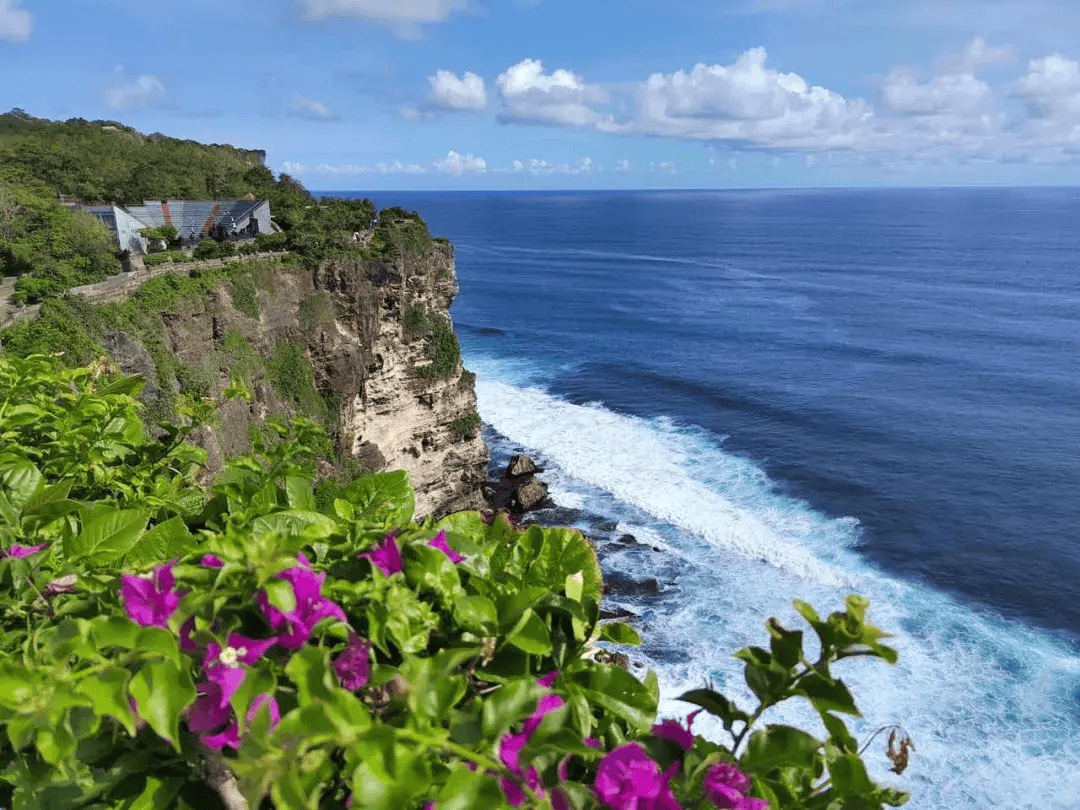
(590, 94)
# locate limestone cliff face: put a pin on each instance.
(348, 319)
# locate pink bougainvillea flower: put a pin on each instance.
(628, 779)
(515, 796)
(209, 711)
(726, 787)
(230, 737)
(353, 666)
(510, 746)
(16, 551)
(548, 679)
(386, 556)
(222, 665)
(592, 742)
(212, 561)
(271, 706)
(673, 730)
(150, 601)
(547, 704)
(439, 542)
(311, 606)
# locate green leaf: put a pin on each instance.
(849, 776)
(108, 691)
(619, 633)
(107, 537)
(475, 612)
(298, 493)
(467, 790)
(308, 669)
(383, 497)
(162, 691)
(295, 523)
(19, 482)
(827, 694)
(166, 540)
(616, 690)
(530, 634)
(786, 644)
(717, 705)
(280, 593)
(778, 746)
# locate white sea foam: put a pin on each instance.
(638, 463)
(992, 705)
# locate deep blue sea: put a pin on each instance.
(810, 393)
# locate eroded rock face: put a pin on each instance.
(347, 317)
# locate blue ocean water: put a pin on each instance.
(810, 393)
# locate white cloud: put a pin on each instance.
(388, 11)
(16, 24)
(622, 166)
(745, 102)
(143, 91)
(309, 107)
(954, 92)
(560, 97)
(466, 93)
(537, 166)
(457, 164)
(397, 167)
(1050, 85)
(664, 166)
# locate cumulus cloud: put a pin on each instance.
(537, 166)
(530, 95)
(954, 92)
(1050, 85)
(143, 91)
(308, 107)
(397, 167)
(16, 24)
(622, 166)
(458, 164)
(747, 102)
(466, 93)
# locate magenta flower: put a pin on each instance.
(17, 552)
(222, 665)
(271, 706)
(515, 796)
(548, 679)
(150, 602)
(210, 710)
(439, 542)
(628, 779)
(592, 742)
(353, 666)
(673, 730)
(726, 787)
(212, 561)
(510, 749)
(547, 704)
(311, 606)
(387, 556)
(230, 737)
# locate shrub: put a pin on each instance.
(466, 427)
(448, 663)
(244, 296)
(271, 241)
(206, 249)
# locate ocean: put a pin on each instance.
(747, 397)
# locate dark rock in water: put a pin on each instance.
(521, 465)
(528, 495)
(616, 583)
(617, 613)
(615, 658)
(607, 526)
(626, 539)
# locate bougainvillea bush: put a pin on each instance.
(169, 646)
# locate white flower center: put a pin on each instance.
(230, 656)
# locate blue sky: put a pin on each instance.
(488, 94)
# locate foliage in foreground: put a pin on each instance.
(167, 647)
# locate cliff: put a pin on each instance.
(353, 342)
